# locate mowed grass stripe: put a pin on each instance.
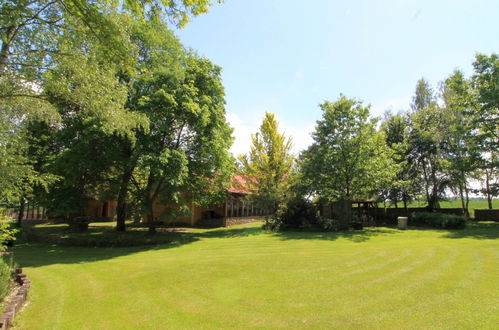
(377, 278)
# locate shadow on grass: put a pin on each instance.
(476, 230)
(29, 254)
(357, 236)
(53, 244)
(231, 232)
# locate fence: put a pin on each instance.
(390, 215)
(487, 215)
(31, 213)
(380, 216)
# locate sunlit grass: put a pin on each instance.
(244, 277)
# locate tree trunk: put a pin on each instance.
(150, 221)
(487, 189)
(121, 207)
(427, 187)
(20, 215)
(149, 206)
(4, 51)
(149, 198)
(461, 195)
(467, 200)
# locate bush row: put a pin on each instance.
(437, 220)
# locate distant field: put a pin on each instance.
(474, 204)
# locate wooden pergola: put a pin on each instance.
(367, 207)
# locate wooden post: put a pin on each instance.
(192, 214)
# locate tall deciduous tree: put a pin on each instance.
(349, 158)
(485, 83)
(185, 151)
(462, 151)
(402, 188)
(429, 126)
(269, 164)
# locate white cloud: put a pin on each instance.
(242, 134)
(300, 135)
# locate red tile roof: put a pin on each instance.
(241, 184)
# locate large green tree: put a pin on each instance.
(485, 85)
(183, 153)
(269, 164)
(429, 127)
(462, 150)
(402, 188)
(183, 158)
(349, 159)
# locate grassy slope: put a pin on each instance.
(243, 277)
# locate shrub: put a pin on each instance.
(4, 279)
(272, 223)
(438, 220)
(5, 276)
(327, 224)
(7, 234)
(297, 212)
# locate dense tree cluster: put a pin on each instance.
(448, 140)
(99, 99)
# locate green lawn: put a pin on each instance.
(474, 204)
(243, 277)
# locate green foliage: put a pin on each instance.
(29, 29)
(427, 143)
(402, 187)
(328, 224)
(485, 112)
(438, 220)
(297, 212)
(349, 158)
(7, 233)
(485, 81)
(269, 165)
(183, 157)
(5, 278)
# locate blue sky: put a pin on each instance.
(286, 57)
